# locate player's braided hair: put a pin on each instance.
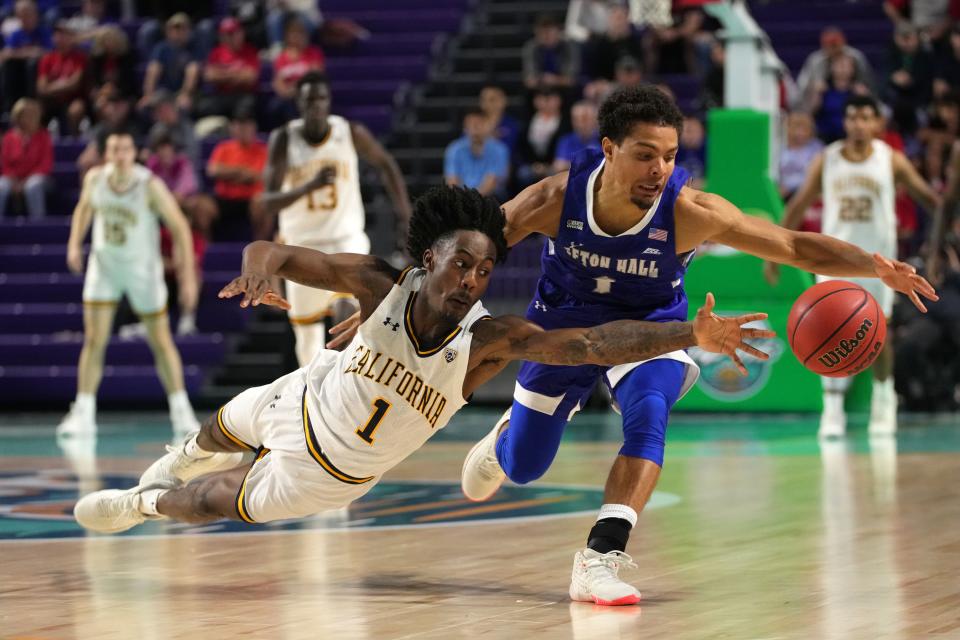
(444, 210)
(628, 106)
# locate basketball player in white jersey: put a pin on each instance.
(857, 178)
(312, 180)
(325, 434)
(123, 200)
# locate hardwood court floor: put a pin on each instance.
(758, 532)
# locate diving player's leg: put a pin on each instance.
(524, 442)
(100, 298)
(645, 396)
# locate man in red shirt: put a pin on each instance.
(236, 166)
(231, 71)
(60, 79)
(26, 158)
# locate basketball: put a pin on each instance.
(836, 329)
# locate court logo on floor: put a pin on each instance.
(40, 505)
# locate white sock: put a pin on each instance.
(179, 401)
(193, 449)
(883, 386)
(86, 403)
(832, 402)
(835, 385)
(148, 501)
(621, 511)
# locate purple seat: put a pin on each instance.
(54, 385)
(28, 350)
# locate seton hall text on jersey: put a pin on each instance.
(632, 266)
(420, 396)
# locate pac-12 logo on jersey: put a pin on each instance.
(449, 354)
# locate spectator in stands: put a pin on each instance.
(87, 24)
(802, 147)
(296, 58)
(585, 135)
(816, 67)
(168, 118)
(548, 59)
(908, 80)
(692, 153)
(671, 48)
(711, 92)
(283, 11)
(61, 76)
(943, 127)
(202, 38)
(236, 166)
(827, 100)
(22, 50)
(232, 71)
(114, 115)
(173, 65)
(619, 41)
(627, 73)
(113, 67)
(169, 164)
(477, 159)
(588, 19)
(931, 20)
(26, 159)
(538, 142)
(946, 74)
(506, 129)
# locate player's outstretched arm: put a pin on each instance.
(367, 278)
(619, 342)
(80, 224)
(707, 216)
(271, 200)
(536, 209)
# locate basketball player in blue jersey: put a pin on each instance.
(621, 228)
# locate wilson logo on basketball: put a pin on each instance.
(845, 348)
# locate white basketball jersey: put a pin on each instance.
(858, 199)
(377, 401)
(124, 225)
(334, 212)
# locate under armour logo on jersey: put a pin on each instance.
(392, 325)
(539, 306)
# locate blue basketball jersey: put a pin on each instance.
(636, 274)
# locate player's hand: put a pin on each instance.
(901, 277)
(771, 272)
(719, 334)
(75, 259)
(255, 289)
(344, 331)
(189, 291)
(323, 178)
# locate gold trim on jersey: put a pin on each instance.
(242, 494)
(311, 319)
(152, 314)
(226, 432)
(313, 447)
(403, 274)
(408, 326)
(101, 303)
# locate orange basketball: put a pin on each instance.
(836, 329)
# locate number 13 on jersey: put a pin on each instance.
(365, 431)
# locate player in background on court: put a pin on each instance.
(325, 434)
(312, 179)
(857, 178)
(123, 201)
(621, 228)
(944, 217)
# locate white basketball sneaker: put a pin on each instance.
(113, 510)
(883, 410)
(77, 423)
(178, 467)
(833, 420)
(482, 475)
(595, 578)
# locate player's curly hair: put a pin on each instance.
(443, 210)
(312, 77)
(628, 106)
